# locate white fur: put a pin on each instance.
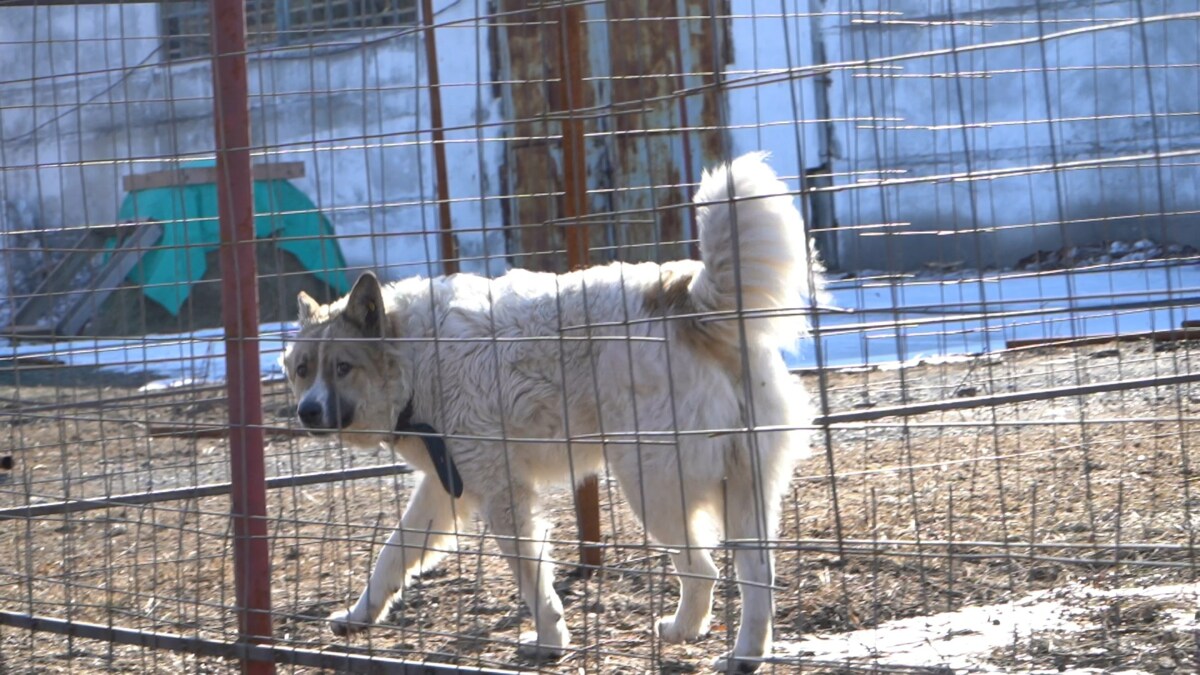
(517, 360)
(776, 269)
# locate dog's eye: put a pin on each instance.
(302, 370)
(343, 368)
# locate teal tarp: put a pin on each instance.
(188, 215)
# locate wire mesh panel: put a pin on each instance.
(953, 434)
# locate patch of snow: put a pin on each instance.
(1074, 257)
(955, 640)
(903, 321)
(178, 360)
(163, 385)
(963, 640)
(887, 323)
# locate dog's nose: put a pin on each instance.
(310, 414)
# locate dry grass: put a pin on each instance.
(1139, 634)
(1029, 496)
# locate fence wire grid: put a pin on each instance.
(999, 382)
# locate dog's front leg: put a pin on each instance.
(425, 535)
(522, 539)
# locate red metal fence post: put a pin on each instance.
(570, 68)
(239, 309)
(438, 131)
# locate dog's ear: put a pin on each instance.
(307, 309)
(364, 307)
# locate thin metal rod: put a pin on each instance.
(820, 543)
(1002, 399)
(570, 66)
(872, 666)
(198, 491)
(47, 3)
(239, 310)
(266, 655)
(116, 401)
(449, 252)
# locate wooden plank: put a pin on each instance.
(16, 332)
(60, 280)
(632, 173)
(533, 244)
(647, 174)
(206, 175)
(109, 277)
(530, 75)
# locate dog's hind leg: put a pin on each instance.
(660, 504)
(697, 574)
(522, 539)
(425, 535)
(752, 516)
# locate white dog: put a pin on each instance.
(676, 367)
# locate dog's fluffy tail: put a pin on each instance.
(755, 252)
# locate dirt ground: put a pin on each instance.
(925, 514)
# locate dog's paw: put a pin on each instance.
(342, 624)
(672, 632)
(733, 664)
(530, 648)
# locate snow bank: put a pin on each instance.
(898, 322)
(178, 360)
(882, 322)
(964, 640)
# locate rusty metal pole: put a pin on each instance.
(239, 310)
(570, 69)
(449, 251)
(688, 169)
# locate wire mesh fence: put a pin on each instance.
(983, 437)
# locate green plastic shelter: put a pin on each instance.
(188, 216)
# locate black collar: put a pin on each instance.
(404, 419)
(435, 445)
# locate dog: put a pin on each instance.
(670, 376)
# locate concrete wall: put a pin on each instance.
(776, 114)
(1076, 98)
(85, 98)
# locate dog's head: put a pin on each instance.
(339, 364)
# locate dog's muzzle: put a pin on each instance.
(322, 417)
